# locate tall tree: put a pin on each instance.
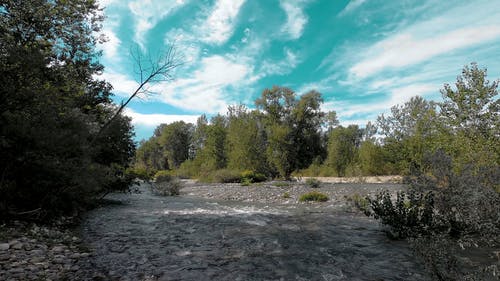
(342, 148)
(175, 139)
(471, 114)
(307, 119)
(51, 106)
(245, 140)
(410, 131)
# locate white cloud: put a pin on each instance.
(219, 25)
(404, 49)
(110, 48)
(206, 89)
(281, 67)
(147, 14)
(351, 6)
(106, 3)
(153, 120)
(122, 84)
(296, 19)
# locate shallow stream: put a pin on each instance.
(187, 238)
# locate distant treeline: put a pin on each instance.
(289, 134)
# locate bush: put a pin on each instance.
(245, 182)
(140, 173)
(361, 203)
(163, 176)
(166, 185)
(313, 196)
(286, 195)
(410, 215)
(313, 183)
(451, 211)
(222, 176)
(281, 184)
(252, 176)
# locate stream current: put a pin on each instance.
(148, 237)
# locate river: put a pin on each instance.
(148, 237)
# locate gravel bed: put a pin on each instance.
(33, 252)
(288, 193)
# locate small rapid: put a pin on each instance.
(147, 237)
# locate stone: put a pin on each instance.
(17, 246)
(4, 246)
(57, 249)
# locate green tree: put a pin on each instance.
(410, 131)
(51, 106)
(175, 140)
(470, 113)
(245, 140)
(307, 119)
(343, 143)
(213, 155)
(293, 128)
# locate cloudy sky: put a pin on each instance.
(364, 56)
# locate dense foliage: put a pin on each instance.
(450, 152)
(51, 107)
(288, 134)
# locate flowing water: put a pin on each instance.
(185, 238)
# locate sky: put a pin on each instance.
(363, 56)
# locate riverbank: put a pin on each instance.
(287, 193)
(33, 252)
(109, 233)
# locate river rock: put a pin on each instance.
(4, 246)
(17, 246)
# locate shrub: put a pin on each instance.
(451, 211)
(252, 176)
(222, 176)
(140, 173)
(245, 182)
(166, 185)
(360, 202)
(281, 184)
(410, 215)
(286, 195)
(313, 196)
(313, 183)
(163, 176)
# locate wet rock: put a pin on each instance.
(4, 246)
(57, 249)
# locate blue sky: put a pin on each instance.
(364, 56)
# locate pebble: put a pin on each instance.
(17, 246)
(42, 253)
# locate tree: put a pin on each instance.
(277, 105)
(342, 148)
(410, 131)
(470, 114)
(293, 128)
(175, 140)
(213, 155)
(51, 106)
(307, 119)
(473, 107)
(245, 140)
(150, 71)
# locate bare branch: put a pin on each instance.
(157, 70)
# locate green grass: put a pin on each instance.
(281, 184)
(313, 196)
(313, 183)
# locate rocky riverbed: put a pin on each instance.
(216, 232)
(31, 252)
